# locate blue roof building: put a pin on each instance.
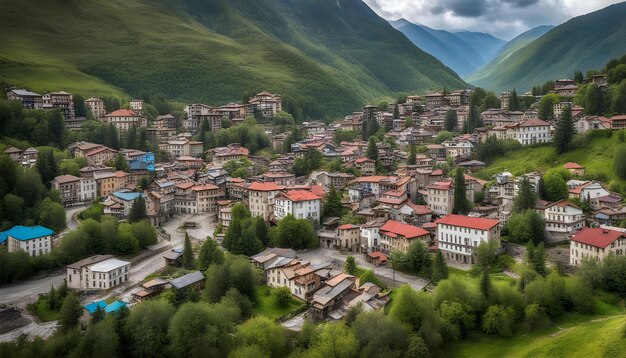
(115, 306)
(127, 195)
(93, 306)
(25, 233)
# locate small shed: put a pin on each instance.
(376, 258)
(190, 280)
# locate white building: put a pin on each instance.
(596, 243)
(370, 235)
(107, 274)
(77, 273)
(530, 131)
(88, 189)
(458, 235)
(563, 219)
(440, 197)
(34, 240)
(302, 204)
(458, 149)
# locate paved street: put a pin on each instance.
(26, 292)
(384, 272)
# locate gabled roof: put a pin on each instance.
(572, 165)
(597, 237)
(62, 179)
(270, 186)
(89, 261)
(186, 280)
(348, 227)
(468, 222)
(299, 195)
(440, 185)
(406, 230)
(122, 113)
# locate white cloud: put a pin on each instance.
(502, 18)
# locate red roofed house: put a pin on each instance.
(575, 168)
(348, 237)
(395, 235)
(618, 122)
(596, 243)
(233, 151)
(458, 235)
(366, 166)
(302, 204)
(124, 119)
(260, 199)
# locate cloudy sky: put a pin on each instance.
(502, 18)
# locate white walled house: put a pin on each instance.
(458, 235)
(440, 197)
(34, 240)
(302, 204)
(107, 274)
(563, 219)
(530, 131)
(77, 273)
(596, 243)
(370, 235)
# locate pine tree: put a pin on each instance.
(138, 210)
(70, 312)
(261, 230)
(539, 259)
(451, 120)
(526, 198)
(187, 253)
(412, 160)
(461, 204)
(473, 120)
(541, 189)
(52, 298)
(98, 315)
(131, 137)
(332, 206)
(396, 112)
(440, 269)
(514, 102)
(530, 254)
(372, 149)
(121, 163)
(485, 284)
(564, 132)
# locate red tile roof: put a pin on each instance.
(270, 186)
(533, 122)
(204, 187)
(363, 160)
(300, 195)
(597, 237)
(406, 230)
(572, 165)
(441, 185)
(468, 222)
(62, 179)
(122, 113)
(348, 226)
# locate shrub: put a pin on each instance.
(282, 297)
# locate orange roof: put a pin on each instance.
(348, 227)
(318, 190)
(122, 113)
(572, 165)
(440, 185)
(468, 222)
(120, 174)
(258, 186)
(300, 195)
(363, 160)
(371, 179)
(186, 185)
(406, 230)
(204, 187)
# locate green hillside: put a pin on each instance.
(510, 48)
(329, 56)
(596, 155)
(582, 43)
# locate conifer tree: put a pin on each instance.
(564, 132)
(70, 312)
(440, 269)
(526, 198)
(514, 102)
(332, 206)
(372, 149)
(350, 265)
(187, 253)
(461, 204)
(485, 284)
(412, 156)
(451, 120)
(138, 210)
(396, 112)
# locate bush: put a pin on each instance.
(498, 319)
(282, 297)
(535, 316)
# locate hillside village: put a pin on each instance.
(368, 195)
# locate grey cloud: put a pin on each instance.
(521, 3)
(466, 8)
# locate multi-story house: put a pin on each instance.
(260, 199)
(302, 204)
(596, 243)
(267, 103)
(234, 151)
(530, 131)
(348, 237)
(34, 240)
(214, 121)
(440, 197)
(458, 149)
(366, 166)
(120, 203)
(77, 273)
(435, 100)
(136, 105)
(124, 119)
(88, 188)
(563, 219)
(69, 187)
(236, 111)
(193, 112)
(100, 155)
(457, 98)
(105, 274)
(458, 236)
(182, 147)
(206, 196)
(96, 106)
(61, 100)
(29, 100)
(395, 235)
(370, 235)
(297, 275)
